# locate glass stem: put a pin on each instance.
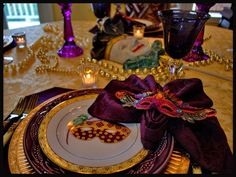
(69, 49)
(68, 32)
(175, 67)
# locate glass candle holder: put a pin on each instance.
(20, 39)
(88, 74)
(138, 31)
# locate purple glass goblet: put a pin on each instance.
(69, 49)
(101, 11)
(180, 29)
(197, 54)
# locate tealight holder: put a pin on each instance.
(138, 31)
(20, 39)
(88, 73)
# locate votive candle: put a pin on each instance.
(88, 74)
(138, 31)
(20, 39)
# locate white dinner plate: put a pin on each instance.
(144, 21)
(7, 40)
(87, 156)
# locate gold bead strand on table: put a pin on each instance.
(107, 70)
(49, 42)
(27, 61)
(227, 63)
(47, 65)
(58, 37)
(21, 65)
(46, 61)
(207, 38)
(54, 37)
(49, 28)
(42, 56)
(110, 71)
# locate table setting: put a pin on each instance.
(100, 98)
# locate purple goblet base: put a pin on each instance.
(70, 50)
(196, 54)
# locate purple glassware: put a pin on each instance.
(101, 10)
(197, 54)
(69, 49)
(181, 29)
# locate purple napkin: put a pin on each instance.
(204, 140)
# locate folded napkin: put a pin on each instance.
(203, 139)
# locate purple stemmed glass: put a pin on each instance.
(180, 30)
(101, 10)
(69, 49)
(197, 54)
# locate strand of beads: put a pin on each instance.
(103, 66)
(50, 28)
(228, 64)
(214, 57)
(56, 39)
(110, 71)
(42, 56)
(107, 70)
(51, 42)
(207, 38)
(21, 65)
(47, 65)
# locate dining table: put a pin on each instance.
(32, 73)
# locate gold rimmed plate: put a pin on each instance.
(97, 148)
(144, 21)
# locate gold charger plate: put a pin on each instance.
(18, 163)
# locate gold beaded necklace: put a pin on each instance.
(20, 66)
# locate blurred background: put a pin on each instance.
(17, 15)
